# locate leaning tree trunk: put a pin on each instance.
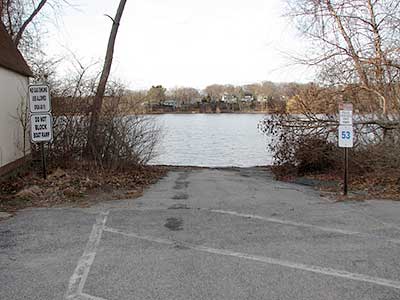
(98, 99)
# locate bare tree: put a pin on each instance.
(215, 91)
(98, 99)
(156, 94)
(355, 42)
(29, 20)
(184, 95)
(20, 15)
(125, 137)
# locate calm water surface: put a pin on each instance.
(212, 140)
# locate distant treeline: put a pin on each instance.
(265, 97)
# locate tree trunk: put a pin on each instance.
(380, 60)
(98, 99)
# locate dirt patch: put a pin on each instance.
(180, 185)
(181, 247)
(4, 215)
(184, 175)
(174, 224)
(179, 206)
(7, 239)
(180, 196)
(80, 186)
(378, 185)
(181, 182)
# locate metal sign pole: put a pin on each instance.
(41, 120)
(346, 171)
(44, 169)
(346, 138)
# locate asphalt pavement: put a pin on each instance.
(206, 234)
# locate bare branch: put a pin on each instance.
(21, 31)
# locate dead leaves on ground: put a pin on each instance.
(75, 186)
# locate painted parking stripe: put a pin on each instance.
(78, 278)
(88, 297)
(268, 260)
(305, 225)
(84, 297)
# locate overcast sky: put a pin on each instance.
(186, 42)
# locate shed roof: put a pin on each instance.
(10, 57)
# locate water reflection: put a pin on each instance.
(212, 140)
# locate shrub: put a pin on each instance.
(304, 144)
(316, 155)
(123, 137)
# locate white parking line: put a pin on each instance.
(268, 260)
(84, 297)
(88, 297)
(305, 225)
(78, 279)
(292, 223)
(363, 212)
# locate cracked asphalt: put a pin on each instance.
(206, 234)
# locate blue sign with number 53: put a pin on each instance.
(345, 136)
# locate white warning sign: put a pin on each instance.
(345, 136)
(346, 114)
(39, 99)
(41, 128)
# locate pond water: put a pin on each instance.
(212, 140)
